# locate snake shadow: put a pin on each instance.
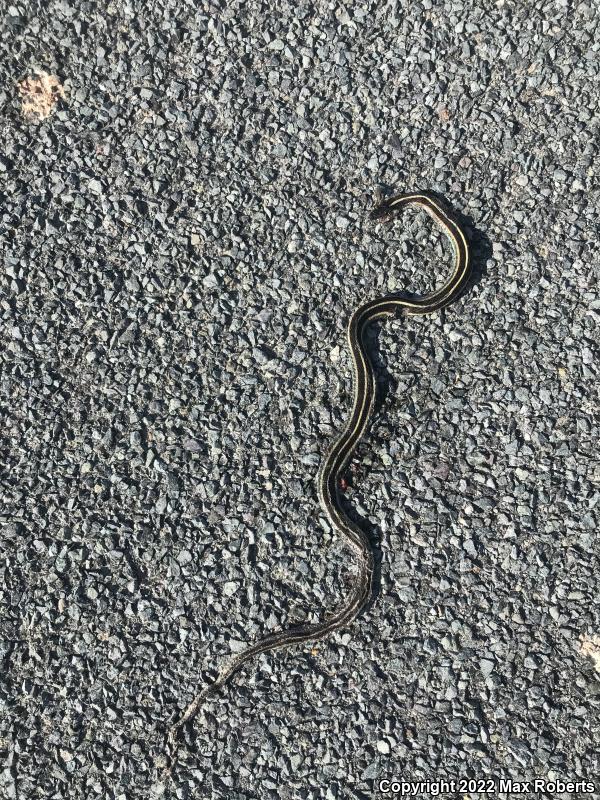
(480, 249)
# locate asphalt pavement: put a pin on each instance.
(184, 200)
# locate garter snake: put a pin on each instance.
(336, 461)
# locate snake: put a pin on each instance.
(330, 475)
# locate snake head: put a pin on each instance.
(382, 212)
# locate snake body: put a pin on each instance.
(337, 460)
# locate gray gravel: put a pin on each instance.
(184, 238)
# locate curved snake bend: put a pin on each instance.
(342, 450)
